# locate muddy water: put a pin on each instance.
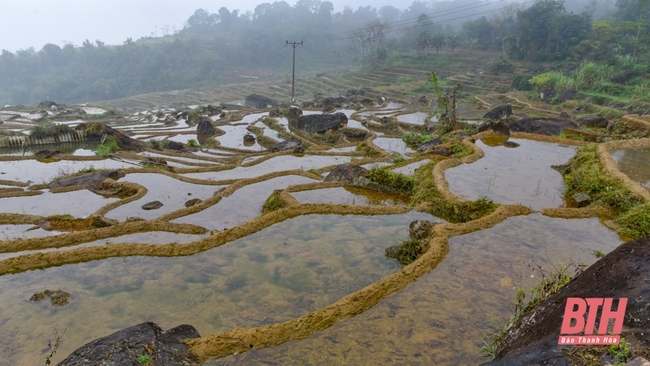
(172, 193)
(242, 206)
(514, 175)
(79, 204)
(350, 196)
(634, 163)
(276, 164)
(274, 275)
(441, 318)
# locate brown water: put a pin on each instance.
(350, 196)
(634, 163)
(514, 175)
(271, 276)
(441, 318)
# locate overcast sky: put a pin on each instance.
(34, 23)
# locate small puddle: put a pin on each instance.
(442, 317)
(350, 196)
(634, 163)
(279, 273)
(172, 193)
(242, 206)
(514, 175)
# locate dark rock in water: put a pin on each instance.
(205, 128)
(567, 95)
(349, 174)
(498, 127)
(123, 347)
(57, 297)
(260, 101)
(354, 133)
(46, 154)
(510, 144)
(192, 202)
(249, 138)
(152, 205)
(581, 199)
(90, 180)
(319, 123)
(419, 229)
(542, 126)
(623, 273)
(134, 218)
(294, 112)
(501, 112)
(174, 145)
(98, 131)
(595, 121)
(156, 162)
(293, 144)
(428, 145)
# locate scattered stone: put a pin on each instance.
(125, 346)
(152, 205)
(429, 144)
(134, 218)
(260, 101)
(205, 128)
(292, 144)
(567, 95)
(356, 134)
(349, 174)
(442, 151)
(57, 297)
(248, 138)
(498, 127)
(294, 112)
(192, 202)
(581, 199)
(501, 112)
(319, 123)
(157, 162)
(510, 144)
(174, 145)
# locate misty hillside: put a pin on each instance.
(228, 47)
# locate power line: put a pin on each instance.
(293, 73)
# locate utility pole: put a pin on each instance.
(293, 73)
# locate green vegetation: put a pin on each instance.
(109, 147)
(391, 181)
(599, 253)
(274, 202)
(583, 174)
(615, 354)
(415, 138)
(145, 360)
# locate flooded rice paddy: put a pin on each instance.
(274, 268)
(634, 163)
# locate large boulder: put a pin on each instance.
(98, 132)
(501, 112)
(542, 126)
(353, 175)
(260, 101)
(623, 273)
(497, 127)
(90, 180)
(293, 144)
(319, 123)
(205, 128)
(127, 346)
(174, 145)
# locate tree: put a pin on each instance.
(453, 42)
(368, 40)
(438, 41)
(424, 41)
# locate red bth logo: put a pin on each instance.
(578, 329)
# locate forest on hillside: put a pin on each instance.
(214, 46)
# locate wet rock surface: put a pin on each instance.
(124, 347)
(46, 154)
(205, 128)
(319, 123)
(192, 202)
(90, 180)
(152, 205)
(293, 144)
(98, 131)
(349, 174)
(501, 112)
(57, 297)
(174, 145)
(542, 126)
(623, 273)
(498, 127)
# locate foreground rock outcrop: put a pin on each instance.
(623, 273)
(99, 132)
(542, 126)
(319, 123)
(127, 347)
